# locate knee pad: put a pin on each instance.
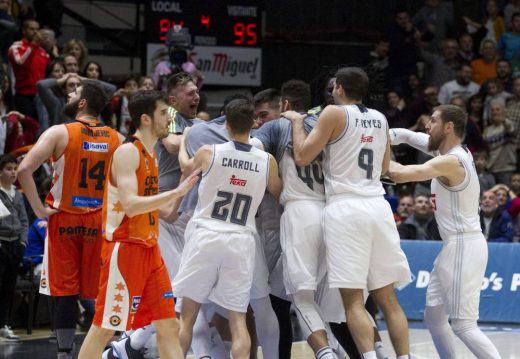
(307, 310)
(461, 326)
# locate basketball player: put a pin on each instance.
(454, 289)
(217, 262)
(80, 152)
(135, 288)
(360, 235)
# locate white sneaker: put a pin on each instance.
(7, 334)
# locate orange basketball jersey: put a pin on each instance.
(79, 173)
(143, 228)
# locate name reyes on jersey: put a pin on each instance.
(95, 146)
(368, 123)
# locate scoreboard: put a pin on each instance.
(227, 36)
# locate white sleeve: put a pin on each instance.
(417, 140)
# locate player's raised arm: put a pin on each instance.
(124, 166)
(446, 166)
(274, 183)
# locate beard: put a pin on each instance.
(435, 142)
(71, 109)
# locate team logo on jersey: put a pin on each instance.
(115, 320)
(237, 181)
(95, 146)
(367, 139)
(135, 303)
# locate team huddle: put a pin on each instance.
(186, 219)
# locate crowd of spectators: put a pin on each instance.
(423, 60)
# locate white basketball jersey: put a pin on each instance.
(232, 188)
(457, 208)
(353, 162)
(301, 182)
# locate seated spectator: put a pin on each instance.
(474, 139)
(437, 17)
(509, 43)
(494, 91)
(496, 223)
(21, 130)
(421, 223)
(414, 90)
(443, 68)
(513, 113)
(119, 104)
(77, 49)
(486, 179)
(504, 75)
(493, 21)
(502, 150)
(404, 209)
(93, 71)
(502, 194)
(485, 67)
(461, 86)
(466, 49)
(71, 64)
(511, 7)
(425, 104)
(146, 83)
(55, 70)
(395, 111)
(13, 239)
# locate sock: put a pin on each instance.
(476, 341)
(379, 350)
(325, 353)
(369, 355)
(139, 338)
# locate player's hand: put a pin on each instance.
(293, 116)
(188, 183)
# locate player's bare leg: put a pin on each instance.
(190, 310)
(358, 323)
(241, 343)
(167, 331)
(394, 317)
(95, 342)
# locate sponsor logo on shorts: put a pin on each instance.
(95, 147)
(237, 181)
(78, 201)
(115, 320)
(167, 295)
(135, 303)
(78, 230)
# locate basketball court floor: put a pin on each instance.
(506, 338)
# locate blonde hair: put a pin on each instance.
(84, 51)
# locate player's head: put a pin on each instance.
(183, 94)
(149, 111)
(267, 105)
(295, 95)
(88, 98)
(351, 83)
(230, 98)
(240, 116)
(447, 120)
(8, 166)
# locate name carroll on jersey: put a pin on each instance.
(240, 164)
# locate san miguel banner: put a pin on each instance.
(500, 295)
(222, 65)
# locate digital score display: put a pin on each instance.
(210, 22)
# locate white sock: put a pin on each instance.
(476, 341)
(369, 355)
(379, 350)
(267, 327)
(325, 353)
(139, 338)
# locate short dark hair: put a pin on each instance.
(96, 97)
(298, 93)
(50, 66)
(179, 79)
(144, 103)
(232, 97)
(456, 115)
(516, 14)
(7, 159)
(240, 115)
(271, 95)
(354, 82)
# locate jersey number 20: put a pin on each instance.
(240, 204)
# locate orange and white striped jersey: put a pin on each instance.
(143, 228)
(79, 174)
